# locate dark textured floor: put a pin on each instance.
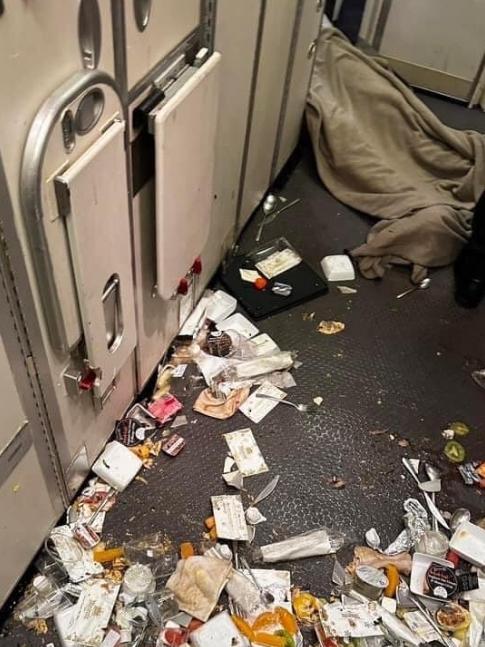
(400, 366)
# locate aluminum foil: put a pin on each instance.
(415, 523)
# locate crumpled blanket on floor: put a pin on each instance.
(380, 150)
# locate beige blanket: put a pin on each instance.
(380, 150)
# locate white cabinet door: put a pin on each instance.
(98, 225)
(185, 131)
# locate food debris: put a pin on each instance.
(141, 479)
(403, 442)
(318, 400)
(337, 483)
(308, 316)
(38, 625)
(344, 289)
(330, 327)
(378, 432)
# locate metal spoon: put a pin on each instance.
(299, 407)
(424, 285)
(269, 205)
(404, 586)
(267, 598)
(433, 473)
(459, 516)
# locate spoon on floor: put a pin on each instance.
(423, 285)
(433, 473)
(303, 408)
(267, 598)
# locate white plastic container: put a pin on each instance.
(138, 582)
(338, 268)
(469, 542)
(117, 465)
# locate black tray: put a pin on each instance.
(306, 284)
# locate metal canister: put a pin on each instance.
(370, 581)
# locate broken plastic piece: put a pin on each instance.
(254, 516)
(234, 479)
(479, 377)
(266, 491)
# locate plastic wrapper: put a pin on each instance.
(161, 606)
(154, 550)
(277, 361)
(477, 625)
(321, 541)
(243, 593)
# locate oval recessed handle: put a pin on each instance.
(142, 10)
(89, 33)
(312, 48)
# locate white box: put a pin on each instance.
(338, 268)
(117, 465)
(469, 542)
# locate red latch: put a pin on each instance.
(197, 266)
(88, 380)
(183, 286)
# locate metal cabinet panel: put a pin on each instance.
(299, 73)
(11, 411)
(31, 496)
(27, 516)
(436, 45)
(279, 20)
(152, 29)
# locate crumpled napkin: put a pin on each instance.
(197, 584)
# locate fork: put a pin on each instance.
(303, 408)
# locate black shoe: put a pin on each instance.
(470, 264)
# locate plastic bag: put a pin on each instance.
(321, 541)
(43, 600)
(154, 550)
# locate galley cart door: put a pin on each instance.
(185, 131)
(93, 194)
(76, 210)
